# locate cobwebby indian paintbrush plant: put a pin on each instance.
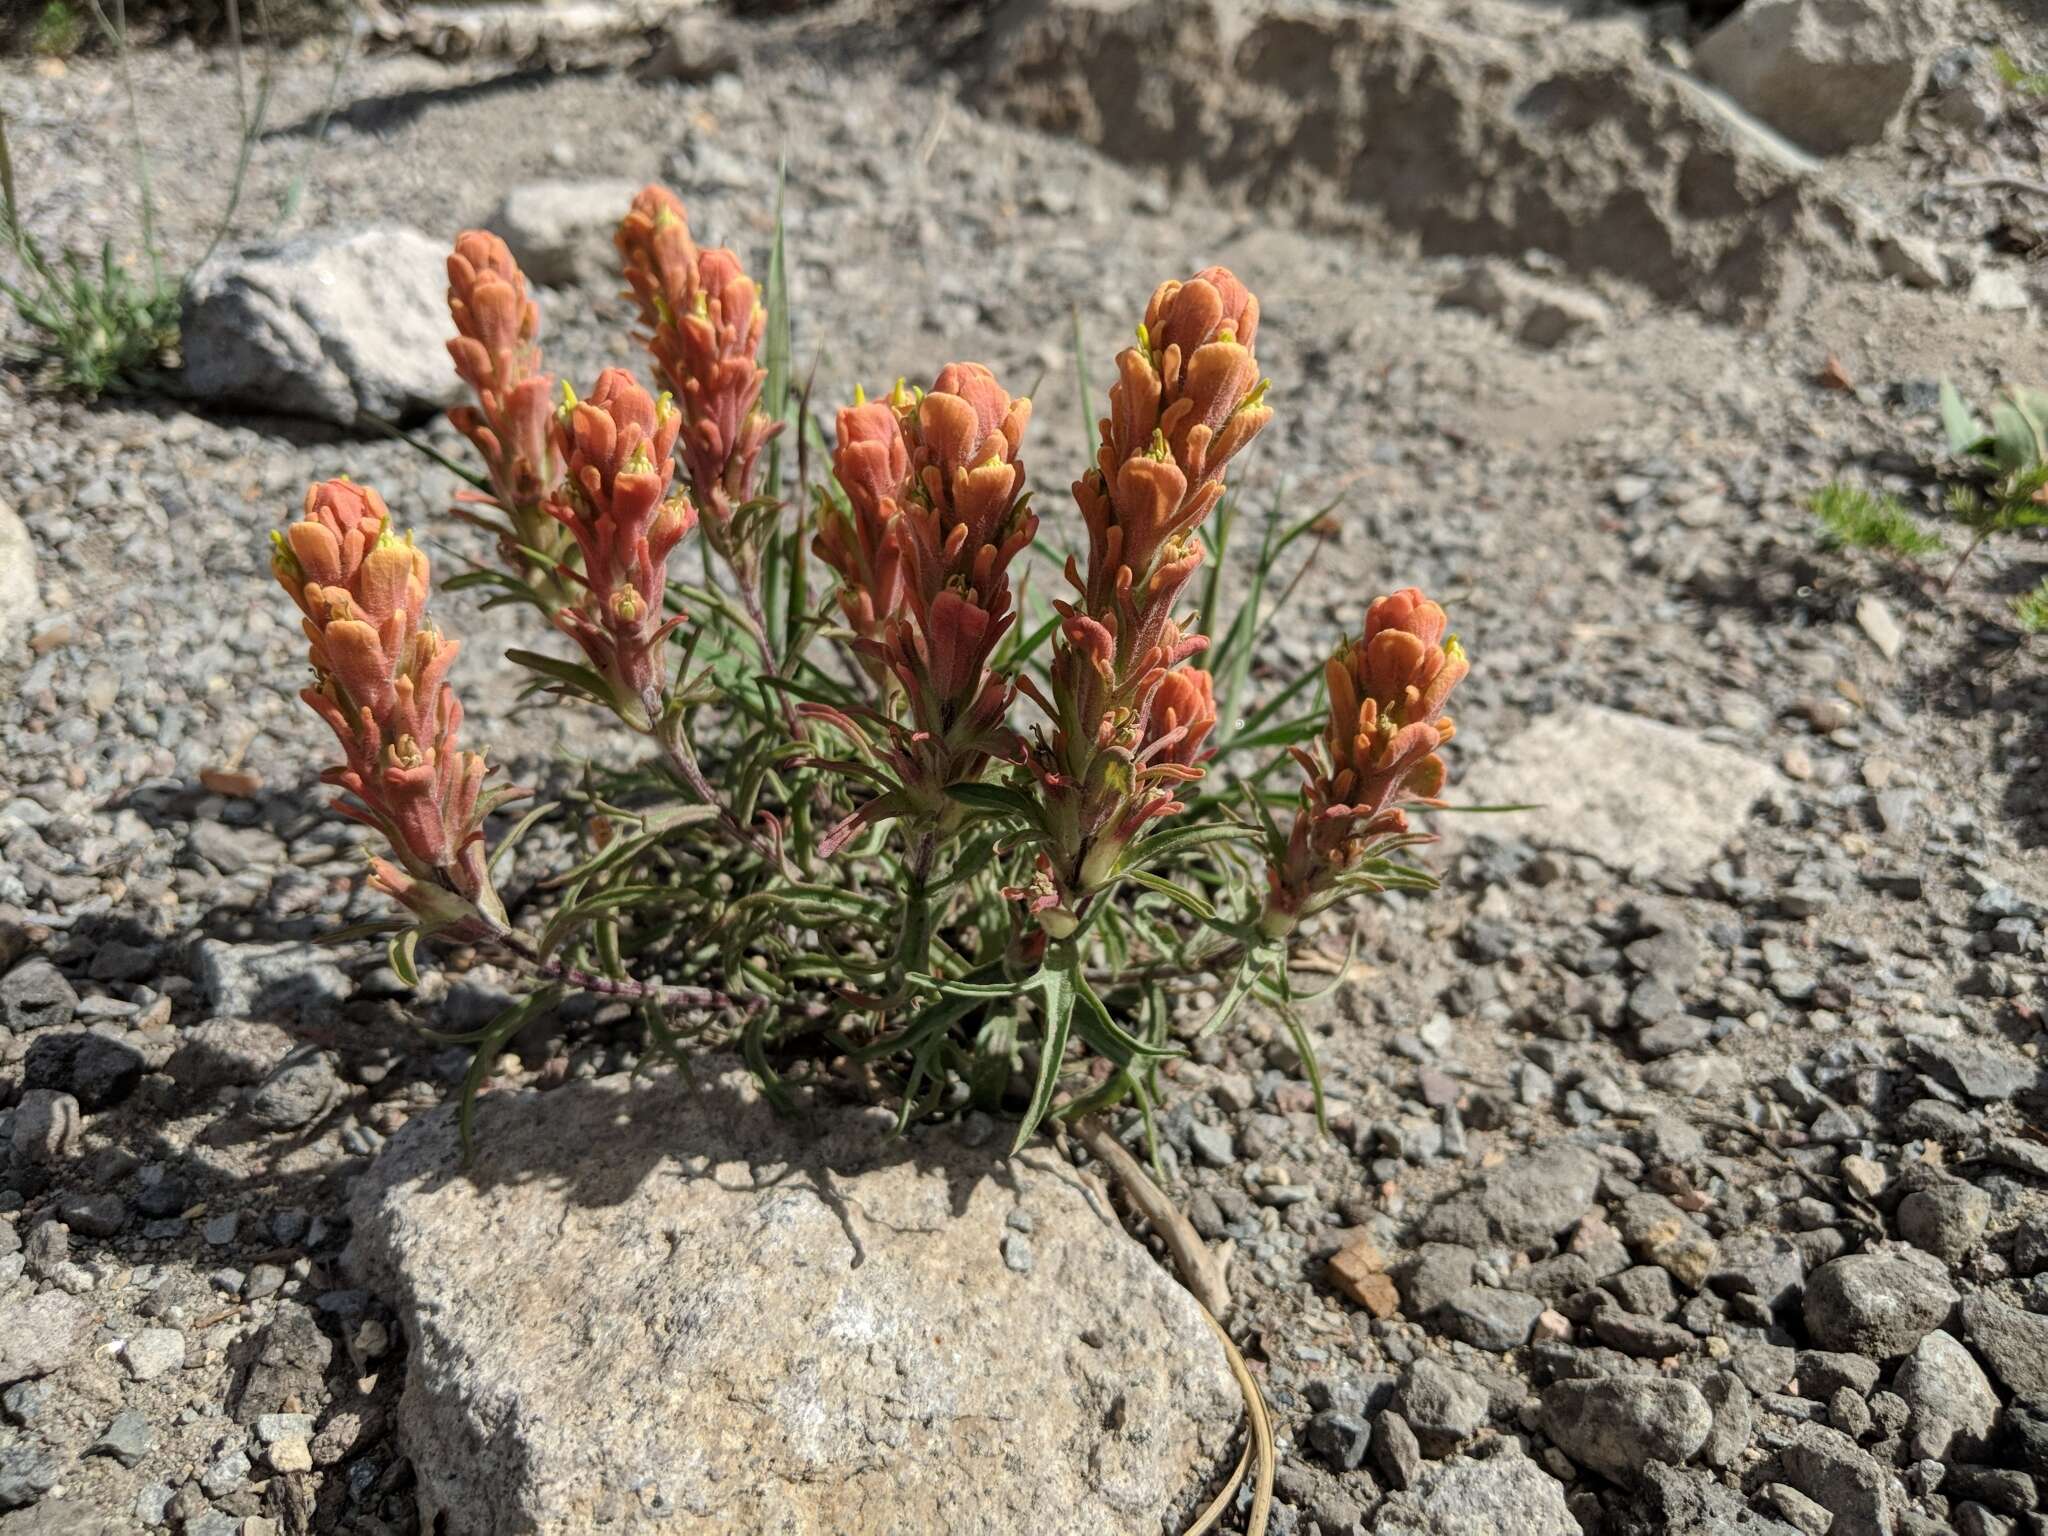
(906, 827)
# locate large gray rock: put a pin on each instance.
(1828, 74)
(1505, 1495)
(336, 326)
(20, 594)
(560, 232)
(652, 1305)
(1632, 792)
(1615, 1424)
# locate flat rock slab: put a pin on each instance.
(652, 1306)
(1636, 794)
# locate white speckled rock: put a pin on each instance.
(652, 1306)
(332, 325)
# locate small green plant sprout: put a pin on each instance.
(1853, 518)
(2030, 609)
(2005, 465)
(58, 31)
(2015, 76)
(94, 323)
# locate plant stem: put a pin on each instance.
(675, 746)
(1961, 560)
(1199, 1271)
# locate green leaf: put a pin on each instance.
(1102, 1032)
(1055, 987)
(573, 675)
(1959, 424)
(1171, 844)
(997, 800)
(2018, 440)
(401, 952)
(1179, 895)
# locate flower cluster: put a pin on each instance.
(1128, 713)
(496, 352)
(379, 672)
(936, 489)
(615, 500)
(1388, 689)
(704, 325)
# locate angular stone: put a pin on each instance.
(1489, 1319)
(1614, 1424)
(1523, 1202)
(646, 1301)
(1672, 1501)
(1441, 1404)
(1954, 1408)
(1505, 1495)
(1985, 1070)
(35, 995)
(1946, 1219)
(335, 325)
(2013, 1343)
(38, 1334)
(1826, 1466)
(1632, 793)
(1881, 1303)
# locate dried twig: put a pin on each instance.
(1199, 1271)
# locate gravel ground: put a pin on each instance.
(1718, 1189)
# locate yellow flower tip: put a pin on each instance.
(700, 306)
(665, 407)
(1257, 397)
(626, 605)
(282, 560)
(899, 397)
(664, 216)
(1158, 448)
(1453, 649)
(1144, 339)
(860, 396)
(642, 462)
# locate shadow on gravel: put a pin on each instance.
(1995, 671)
(398, 109)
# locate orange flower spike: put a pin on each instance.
(1185, 401)
(872, 464)
(704, 323)
(618, 446)
(380, 673)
